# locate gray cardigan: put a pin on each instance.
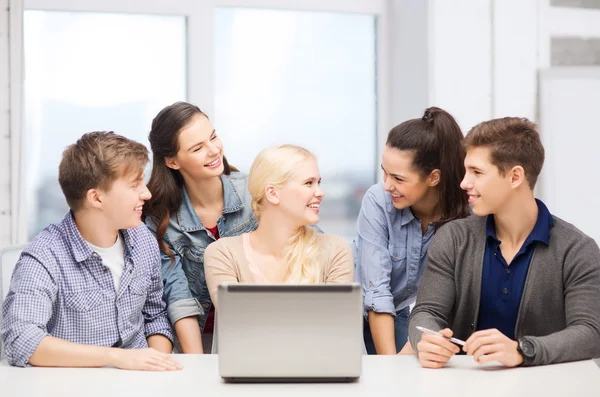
(560, 306)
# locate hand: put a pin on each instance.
(144, 360)
(493, 345)
(435, 351)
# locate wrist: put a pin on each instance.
(526, 350)
(111, 357)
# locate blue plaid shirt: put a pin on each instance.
(61, 288)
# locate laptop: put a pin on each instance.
(290, 333)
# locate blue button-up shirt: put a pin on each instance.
(61, 288)
(389, 252)
(502, 285)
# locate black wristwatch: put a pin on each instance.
(526, 348)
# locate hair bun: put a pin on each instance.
(428, 116)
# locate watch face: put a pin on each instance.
(527, 348)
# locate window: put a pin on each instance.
(87, 71)
(305, 78)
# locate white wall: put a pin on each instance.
(5, 220)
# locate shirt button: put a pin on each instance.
(507, 271)
(505, 291)
(414, 270)
(105, 269)
(396, 258)
(370, 284)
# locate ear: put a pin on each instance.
(94, 198)
(434, 177)
(517, 176)
(271, 194)
(171, 162)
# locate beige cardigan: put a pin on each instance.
(225, 261)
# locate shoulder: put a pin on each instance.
(332, 242)
(143, 237)
(460, 232)
(376, 196)
(46, 250)
(225, 246)
(565, 236)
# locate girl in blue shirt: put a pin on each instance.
(423, 165)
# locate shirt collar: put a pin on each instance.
(80, 249)
(540, 232)
(186, 215)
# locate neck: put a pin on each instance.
(205, 193)
(272, 235)
(516, 219)
(428, 208)
(95, 228)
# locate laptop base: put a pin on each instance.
(343, 379)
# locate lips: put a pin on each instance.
(215, 163)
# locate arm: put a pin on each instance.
(25, 334)
(182, 307)
(341, 268)
(156, 322)
(55, 352)
(375, 264)
(436, 295)
(435, 300)
(581, 339)
(218, 268)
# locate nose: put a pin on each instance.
(319, 193)
(387, 185)
(145, 193)
(214, 148)
(466, 184)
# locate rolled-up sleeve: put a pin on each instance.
(27, 309)
(156, 320)
(180, 302)
(373, 261)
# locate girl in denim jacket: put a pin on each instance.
(197, 197)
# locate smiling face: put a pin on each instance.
(122, 203)
(401, 180)
(200, 154)
(300, 197)
(487, 189)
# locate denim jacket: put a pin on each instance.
(185, 289)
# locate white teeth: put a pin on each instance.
(313, 206)
(139, 208)
(213, 163)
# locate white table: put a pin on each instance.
(383, 376)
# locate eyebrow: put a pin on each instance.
(394, 175)
(312, 178)
(472, 167)
(200, 143)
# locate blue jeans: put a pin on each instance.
(400, 332)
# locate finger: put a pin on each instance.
(481, 341)
(440, 341)
(150, 366)
(431, 364)
(427, 356)
(486, 350)
(447, 332)
(161, 362)
(498, 356)
(427, 347)
(479, 334)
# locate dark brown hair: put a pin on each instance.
(511, 141)
(436, 141)
(165, 183)
(95, 161)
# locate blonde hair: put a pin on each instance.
(274, 166)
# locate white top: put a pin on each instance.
(381, 376)
(113, 258)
